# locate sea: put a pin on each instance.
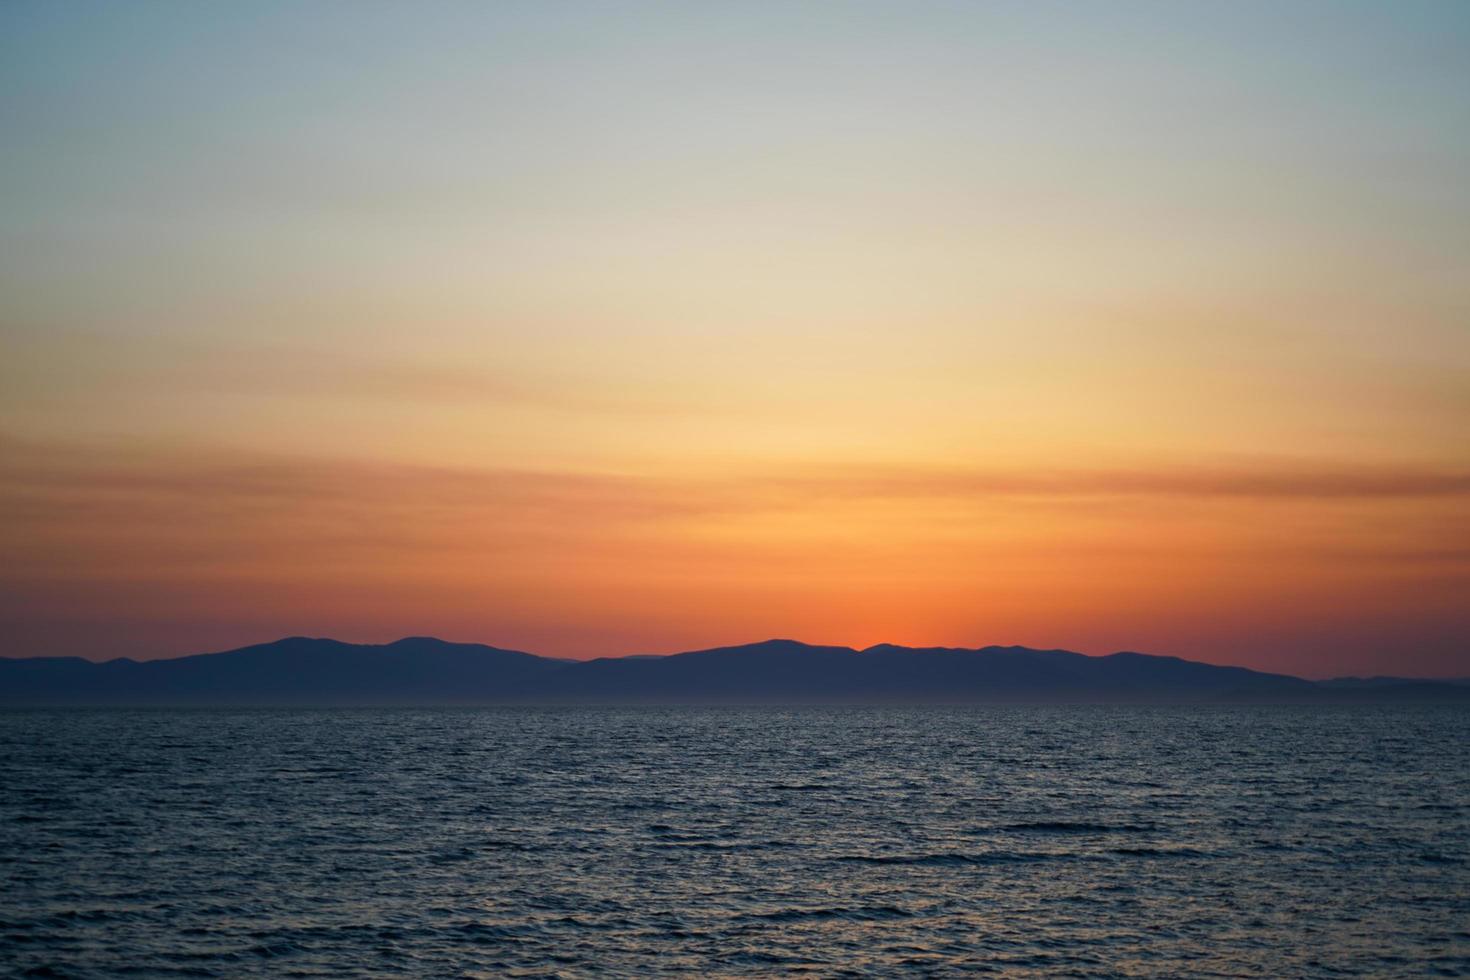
(1045, 841)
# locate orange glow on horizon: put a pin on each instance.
(594, 564)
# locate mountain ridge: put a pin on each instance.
(425, 670)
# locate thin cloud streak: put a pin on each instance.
(102, 362)
(99, 471)
(1283, 481)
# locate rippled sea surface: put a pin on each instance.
(1043, 841)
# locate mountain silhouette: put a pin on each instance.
(425, 671)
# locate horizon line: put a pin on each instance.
(728, 646)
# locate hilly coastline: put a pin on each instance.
(428, 671)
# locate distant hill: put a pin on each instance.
(424, 671)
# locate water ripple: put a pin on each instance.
(1100, 841)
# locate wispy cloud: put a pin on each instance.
(1263, 480)
(97, 471)
(98, 364)
(70, 510)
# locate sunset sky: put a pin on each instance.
(597, 329)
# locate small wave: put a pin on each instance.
(1074, 827)
(761, 957)
(495, 844)
(712, 845)
(272, 950)
(866, 913)
(452, 857)
(952, 859)
(86, 915)
(1161, 852)
(483, 931)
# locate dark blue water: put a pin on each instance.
(1019, 840)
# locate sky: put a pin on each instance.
(596, 329)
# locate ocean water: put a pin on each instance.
(1025, 841)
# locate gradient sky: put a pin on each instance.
(613, 328)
